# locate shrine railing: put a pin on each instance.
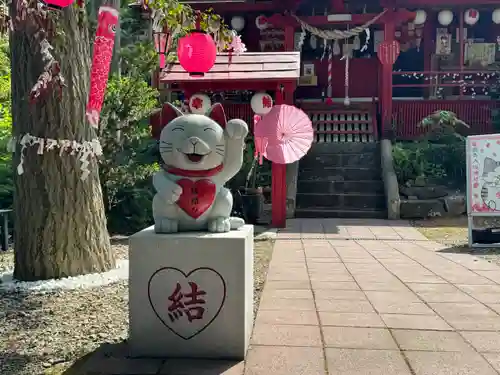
(407, 115)
(357, 123)
(447, 84)
(465, 93)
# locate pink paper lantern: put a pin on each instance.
(58, 4)
(197, 53)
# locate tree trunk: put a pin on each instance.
(60, 226)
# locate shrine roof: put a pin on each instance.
(249, 66)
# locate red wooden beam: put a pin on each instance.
(400, 15)
(446, 2)
(223, 8)
(228, 85)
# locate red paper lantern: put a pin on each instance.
(58, 4)
(197, 53)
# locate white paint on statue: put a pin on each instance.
(200, 154)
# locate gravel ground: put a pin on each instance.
(453, 232)
(42, 334)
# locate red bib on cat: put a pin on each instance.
(196, 197)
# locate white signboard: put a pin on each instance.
(483, 177)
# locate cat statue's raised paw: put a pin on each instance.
(200, 154)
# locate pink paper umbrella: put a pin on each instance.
(286, 132)
(104, 41)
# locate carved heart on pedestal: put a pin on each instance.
(186, 303)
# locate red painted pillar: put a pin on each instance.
(389, 30)
(428, 45)
(278, 184)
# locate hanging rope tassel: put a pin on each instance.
(347, 101)
(336, 48)
(356, 44)
(329, 90)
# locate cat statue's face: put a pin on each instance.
(194, 142)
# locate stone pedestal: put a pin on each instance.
(191, 294)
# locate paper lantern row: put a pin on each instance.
(261, 103)
(445, 17)
(238, 22)
(471, 17)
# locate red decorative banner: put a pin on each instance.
(388, 52)
(103, 52)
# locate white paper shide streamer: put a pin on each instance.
(84, 151)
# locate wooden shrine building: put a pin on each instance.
(367, 68)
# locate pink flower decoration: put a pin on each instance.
(237, 46)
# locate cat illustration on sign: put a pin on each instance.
(200, 154)
(490, 191)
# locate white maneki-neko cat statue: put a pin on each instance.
(200, 154)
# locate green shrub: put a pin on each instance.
(438, 156)
(441, 163)
(130, 154)
(6, 176)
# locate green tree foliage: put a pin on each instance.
(130, 153)
(6, 182)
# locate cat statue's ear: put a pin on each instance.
(160, 118)
(170, 112)
(217, 114)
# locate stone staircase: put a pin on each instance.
(341, 180)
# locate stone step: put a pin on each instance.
(343, 148)
(341, 160)
(339, 174)
(328, 212)
(338, 187)
(342, 201)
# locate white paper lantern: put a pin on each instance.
(261, 22)
(237, 23)
(445, 17)
(496, 16)
(199, 103)
(471, 16)
(261, 103)
(421, 17)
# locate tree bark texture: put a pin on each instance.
(60, 225)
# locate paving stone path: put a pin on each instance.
(367, 297)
